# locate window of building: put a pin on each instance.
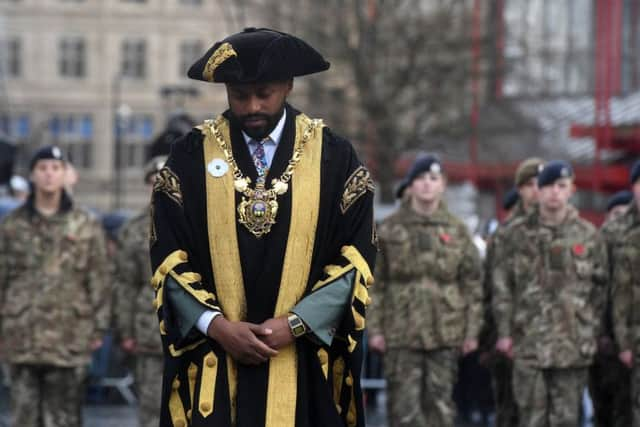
(15, 126)
(553, 56)
(74, 133)
(72, 57)
(134, 132)
(134, 61)
(11, 56)
(190, 51)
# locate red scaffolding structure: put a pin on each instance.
(598, 177)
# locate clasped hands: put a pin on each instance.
(249, 343)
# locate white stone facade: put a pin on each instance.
(82, 107)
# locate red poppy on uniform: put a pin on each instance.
(578, 249)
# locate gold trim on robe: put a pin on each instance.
(227, 270)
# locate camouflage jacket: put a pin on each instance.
(549, 290)
(625, 254)
(136, 317)
(494, 251)
(428, 291)
(612, 233)
(54, 291)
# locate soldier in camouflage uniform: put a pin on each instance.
(626, 290)
(609, 383)
(137, 321)
(54, 298)
(526, 183)
(427, 305)
(548, 294)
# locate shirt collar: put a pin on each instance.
(275, 134)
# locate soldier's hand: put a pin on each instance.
(242, 340)
(377, 343)
(469, 346)
(505, 346)
(280, 336)
(129, 345)
(626, 357)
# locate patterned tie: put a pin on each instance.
(259, 158)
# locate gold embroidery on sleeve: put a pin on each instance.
(357, 185)
(168, 183)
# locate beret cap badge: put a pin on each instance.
(221, 54)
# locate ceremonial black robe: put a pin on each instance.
(198, 376)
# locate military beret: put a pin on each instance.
(510, 198)
(153, 166)
(427, 163)
(620, 198)
(48, 152)
(111, 223)
(635, 172)
(257, 55)
(529, 168)
(553, 171)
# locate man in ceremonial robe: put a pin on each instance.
(262, 245)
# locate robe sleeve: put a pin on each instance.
(376, 317)
(171, 252)
(337, 302)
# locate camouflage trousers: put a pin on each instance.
(420, 386)
(46, 396)
(502, 376)
(609, 387)
(548, 397)
(148, 375)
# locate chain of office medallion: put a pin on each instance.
(293, 161)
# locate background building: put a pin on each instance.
(87, 73)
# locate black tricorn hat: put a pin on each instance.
(257, 55)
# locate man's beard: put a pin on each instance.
(261, 132)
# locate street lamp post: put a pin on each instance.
(121, 113)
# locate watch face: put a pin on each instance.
(298, 330)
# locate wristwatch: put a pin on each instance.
(296, 325)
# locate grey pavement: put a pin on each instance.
(122, 415)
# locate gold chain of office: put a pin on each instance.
(259, 206)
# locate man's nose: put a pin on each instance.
(254, 105)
